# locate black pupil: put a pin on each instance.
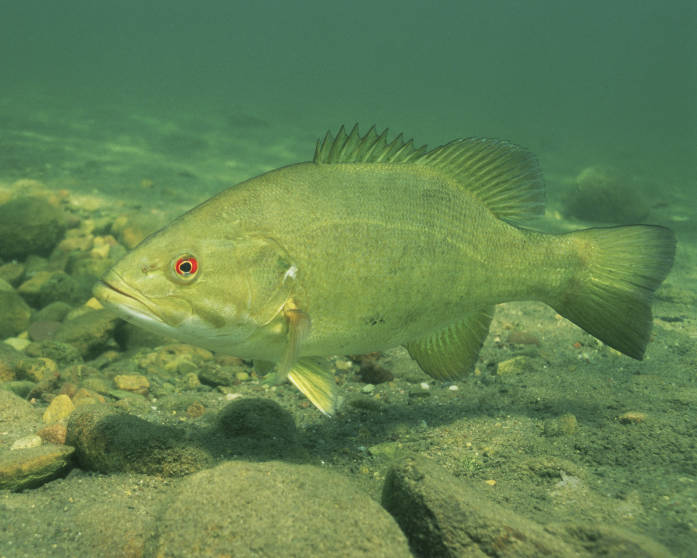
(185, 266)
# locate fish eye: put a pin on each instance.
(185, 267)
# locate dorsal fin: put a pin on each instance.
(503, 176)
(371, 148)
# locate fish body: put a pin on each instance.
(373, 245)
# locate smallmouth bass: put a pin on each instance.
(375, 244)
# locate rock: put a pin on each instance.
(45, 287)
(89, 333)
(63, 353)
(219, 375)
(31, 441)
(274, 509)
(15, 314)
(107, 439)
(84, 396)
(18, 343)
(516, 365)
(12, 272)
(29, 225)
(606, 540)
(257, 418)
(136, 383)
(129, 230)
(53, 312)
(445, 517)
(37, 369)
(10, 358)
(58, 410)
(109, 516)
(27, 468)
(604, 195)
(38, 331)
(53, 433)
(373, 374)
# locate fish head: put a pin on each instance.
(213, 292)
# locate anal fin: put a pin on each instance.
(316, 383)
(451, 353)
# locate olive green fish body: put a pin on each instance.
(373, 245)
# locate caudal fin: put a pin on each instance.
(611, 296)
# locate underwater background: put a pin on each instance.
(122, 115)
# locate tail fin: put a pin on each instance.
(611, 296)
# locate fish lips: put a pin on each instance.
(133, 305)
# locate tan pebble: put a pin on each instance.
(27, 442)
(136, 383)
(53, 433)
(59, 409)
(632, 417)
(514, 365)
(94, 304)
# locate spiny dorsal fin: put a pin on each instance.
(370, 148)
(503, 176)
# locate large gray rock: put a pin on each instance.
(444, 517)
(109, 440)
(246, 509)
(29, 226)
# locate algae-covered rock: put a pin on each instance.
(260, 428)
(108, 439)
(63, 353)
(15, 314)
(446, 517)
(29, 225)
(45, 287)
(30, 467)
(89, 333)
(246, 509)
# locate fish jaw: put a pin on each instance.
(130, 304)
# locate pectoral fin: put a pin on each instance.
(298, 329)
(452, 352)
(316, 383)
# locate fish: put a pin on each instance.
(375, 244)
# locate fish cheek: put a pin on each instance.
(271, 280)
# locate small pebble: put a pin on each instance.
(632, 417)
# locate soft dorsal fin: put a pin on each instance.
(503, 176)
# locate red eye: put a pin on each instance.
(186, 266)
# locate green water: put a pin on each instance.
(161, 104)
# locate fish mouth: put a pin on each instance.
(123, 299)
